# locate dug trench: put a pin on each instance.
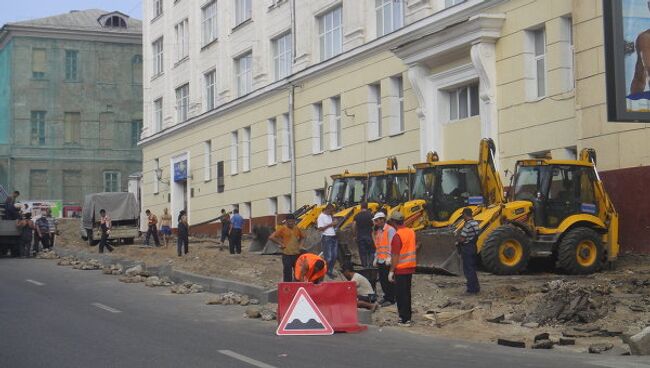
(540, 309)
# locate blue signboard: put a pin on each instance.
(180, 170)
(475, 200)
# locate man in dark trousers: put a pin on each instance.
(236, 226)
(225, 225)
(152, 228)
(467, 246)
(291, 241)
(10, 206)
(183, 240)
(362, 231)
(402, 267)
(105, 225)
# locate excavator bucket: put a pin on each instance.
(260, 238)
(437, 252)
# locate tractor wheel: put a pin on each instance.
(506, 251)
(580, 252)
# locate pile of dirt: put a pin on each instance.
(565, 302)
(187, 288)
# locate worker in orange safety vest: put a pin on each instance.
(310, 268)
(383, 236)
(402, 267)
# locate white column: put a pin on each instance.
(484, 60)
(430, 130)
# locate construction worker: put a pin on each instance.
(467, 247)
(152, 229)
(291, 241)
(105, 224)
(310, 268)
(383, 236)
(362, 233)
(329, 243)
(402, 266)
(366, 297)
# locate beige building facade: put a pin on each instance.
(259, 108)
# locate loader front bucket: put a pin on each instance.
(260, 238)
(437, 253)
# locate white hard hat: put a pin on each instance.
(379, 215)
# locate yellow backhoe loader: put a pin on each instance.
(556, 208)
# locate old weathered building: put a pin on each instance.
(70, 104)
(256, 103)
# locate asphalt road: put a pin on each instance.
(53, 316)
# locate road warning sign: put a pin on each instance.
(303, 317)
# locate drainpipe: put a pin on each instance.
(292, 147)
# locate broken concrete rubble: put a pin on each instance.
(187, 288)
(600, 348)
(640, 343)
(92, 264)
(47, 254)
(154, 281)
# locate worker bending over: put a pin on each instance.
(310, 268)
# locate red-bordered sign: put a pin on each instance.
(303, 317)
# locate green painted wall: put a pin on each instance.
(5, 93)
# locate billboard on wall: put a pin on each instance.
(627, 57)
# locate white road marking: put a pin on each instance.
(106, 308)
(618, 363)
(35, 282)
(245, 359)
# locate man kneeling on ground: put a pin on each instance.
(366, 297)
(310, 268)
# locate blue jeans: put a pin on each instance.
(330, 252)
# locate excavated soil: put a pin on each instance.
(592, 309)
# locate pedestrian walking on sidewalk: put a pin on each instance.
(236, 226)
(383, 238)
(329, 243)
(27, 229)
(467, 247)
(225, 225)
(362, 231)
(183, 240)
(402, 266)
(166, 226)
(105, 224)
(152, 229)
(291, 241)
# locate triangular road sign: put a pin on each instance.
(303, 317)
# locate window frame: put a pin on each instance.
(383, 6)
(209, 23)
(336, 124)
(242, 17)
(71, 65)
(207, 160)
(37, 120)
(246, 149)
(272, 141)
(234, 152)
(157, 49)
(182, 32)
(182, 103)
(157, 8)
(158, 114)
(318, 139)
(244, 69)
(282, 55)
(135, 138)
(285, 153)
(334, 34)
(374, 112)
(117, 181)
(73, 126)
(537, 57)
(454, 96)
(210, 89)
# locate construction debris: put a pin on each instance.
(133, 279)
(187, 288)
(114, 269)
(543, 344)
(512, 343)
(253, 312)
(47, 254)
(92, 264)
(153, 281)
(565, 341)
(135, 270)
(68, 261)
(600, 348)
(268, 314)
(230, 298)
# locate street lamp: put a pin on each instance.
(159, 173)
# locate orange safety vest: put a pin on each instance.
(407, 253)
(309, 259)
(382, 246)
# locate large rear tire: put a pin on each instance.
(506, 251)
(580, 252)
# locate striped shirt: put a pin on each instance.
(470, 231)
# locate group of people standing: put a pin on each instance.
(231, 230)
(183, 230)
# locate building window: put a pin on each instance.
(285, 141)
(272, 140)
(136, 130)
(246, 150)
(38, 186)
(318, 136)
(38, 128)
(209, 23)
(397, 84)
(234, 152)
(220, 177)
(112, 181)
(282, 56)
(374, 112)
(115, 21)
(463, 102)
(449, 3)
(243, 11)
(39, 62)
(244, 64)
(157, 115)
(207, 160)
(71, 65)
(538, 38)
(157, 47)
(136, 69)
(156, 182)
(319, 196)
(568, 60)
(285, 203)
(331, 33)
(182, 40)
(182, 102)
(390, 16)
(157, 8)
(336, 136)
(273, 206)
(72, 127)
(210, 89)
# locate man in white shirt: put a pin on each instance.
(366, 296)
(329, 243)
